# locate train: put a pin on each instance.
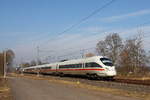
(92, 67)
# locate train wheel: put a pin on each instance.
(111, 78)
(92, 76)
(61, 74)
(108, 78)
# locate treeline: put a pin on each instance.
(10, 55)
(129, 56)
(32, 63)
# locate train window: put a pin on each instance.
(46, 68)
(92, 64)
(61, 66)
(106, 61)
(76, 66)
(71, 66)
(79, 65)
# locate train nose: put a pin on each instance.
(111, 71)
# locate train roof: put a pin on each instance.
(94, 58)
(40, 66)
(68, 62)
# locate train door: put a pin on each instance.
(57, 68)
(83, 67)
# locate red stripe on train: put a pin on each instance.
(73, 69)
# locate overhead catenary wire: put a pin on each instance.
(137, 26)
(69, 28)
(85, 18)
(95, 46)
(82, 20)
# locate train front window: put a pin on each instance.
(106, 61)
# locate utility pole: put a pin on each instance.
(38, 60)
(49, 59)
(21, 65)
(37, 54)
(5, 64)
(82, 53)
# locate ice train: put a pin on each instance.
(97, 66)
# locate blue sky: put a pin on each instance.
(26, 23)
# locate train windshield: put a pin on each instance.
(106, 61)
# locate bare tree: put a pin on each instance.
(111, 46)
(101, 48)
(130, 55)
(133, 56)
(10, 55)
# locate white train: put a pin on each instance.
(97, 66)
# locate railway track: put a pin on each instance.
(117, 80)
(124, 84)
(133, 81)
(121, 80)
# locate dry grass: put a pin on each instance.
(134, 77)
(4, 90)
(144, 96)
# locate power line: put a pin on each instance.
(81, 51)
(94, 40)
(93, 47)
(85, 18)
(137, 26)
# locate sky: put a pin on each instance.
(26, 24)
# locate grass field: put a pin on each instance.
(4, 90)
